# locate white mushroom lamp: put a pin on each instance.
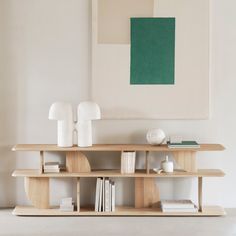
(86, 112)
(63, 113)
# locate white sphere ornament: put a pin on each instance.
(156, 136)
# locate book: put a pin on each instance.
(97, 195)
(128, 162)
(169, 210)
(53, 167)
(67, 208)
(107, 195)
(184, 144)
(112, 196)
(177, 204)
(67, 204)
(104, 195)
(51, 170)
(100, 195)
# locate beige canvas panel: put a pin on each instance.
(114, 18)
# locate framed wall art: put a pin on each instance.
(150, 58)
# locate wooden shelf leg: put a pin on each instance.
(37, 191)
(147, 161)
(41, 162)
(200, 194)
(78, 194)
(186, 160)
(146, 192)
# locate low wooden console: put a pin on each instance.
(147, 196)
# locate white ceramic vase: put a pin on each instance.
(156, 136)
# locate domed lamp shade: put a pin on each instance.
(62, 112)
(86, 112)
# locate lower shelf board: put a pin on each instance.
(120, 211)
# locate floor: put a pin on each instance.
(114, 226)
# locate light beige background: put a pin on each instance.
(45, 57)
(114, 18)
(188, 98)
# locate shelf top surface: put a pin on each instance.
(120, 210)
(114, 147)
(116, 173)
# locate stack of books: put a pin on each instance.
(105, 195)
(184, 144)
(178, 206)
(128, 162)
(67, 204)
(52, 167)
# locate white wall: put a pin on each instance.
(45, 57)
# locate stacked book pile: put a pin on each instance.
(105, 195)
(52, 167)
(178, 206)
(183, 144)
(67, 204)
(128, 162)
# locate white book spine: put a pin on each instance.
(100, 196)
(110, 196)
(107, 195)
(113, 197)
(103, 194)
(97, 194)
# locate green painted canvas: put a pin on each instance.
(152, 51)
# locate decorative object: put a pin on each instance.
(167, 166)
(146, 190)
(63, 113)
(128, 162)
(156, 136)
(112, 58)
(87, 111)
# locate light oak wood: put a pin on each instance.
(41, 162)
(146, 192)
(120, 211)
(186, 160)
(78, 194)
(114, 147)
(77, 162)
(147, 161)
(200, 193)
(37, 191)
(116, 173)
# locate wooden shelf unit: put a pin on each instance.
(146, 190)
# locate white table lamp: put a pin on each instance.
(63, 113)
(86, 112)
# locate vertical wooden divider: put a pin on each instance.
(78, 194)
(147, 161)
(200, 194)
(41, 162)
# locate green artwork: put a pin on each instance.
(152, 51)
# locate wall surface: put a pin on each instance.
(45, 57)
